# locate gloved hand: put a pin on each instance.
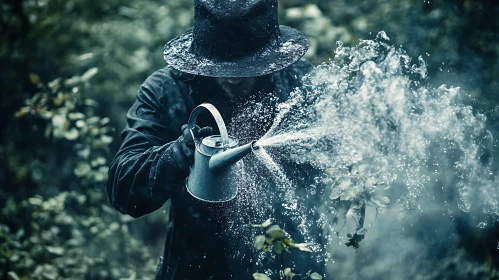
(183, 147)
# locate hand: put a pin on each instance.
(198, 133)
(183, 148)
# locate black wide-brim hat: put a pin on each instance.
(235, 38)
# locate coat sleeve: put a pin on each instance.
(145, 173)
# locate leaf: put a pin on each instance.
(76, 116)
(89, 74)
(80, 124)
(48, 131)
(344, 185)
(335, 193)
(34, 78)
(71, 134)
(348, 194)
(85, 153)
(361, 231)
(55, 250)
(380, 201)
(275, 231)
(93, 120)
(59, 120)
(23, 111)
(354, 240)
(302, 247)
(104, 121)
(55, 84)
(288, 273)
(52, 275)
(114, 226)
(91, 103)
(260, 276)
(315, 276)
(13, 275)
(106, 139)
(126, 219)
(278, 247)
(358, 237)
(133, 276)
(264, 224)
(109, 210)
(267, 222)
(35, 226)
(82, 169)
(287, 241)
(35, 201)
(259, 241)
(98, 162)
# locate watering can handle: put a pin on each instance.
(216, 115)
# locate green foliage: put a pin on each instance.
(277, 240)
(260, 276)
(62, 138)
(73, 234)
(354, 189)
(68, 237)
(288, 274)
(70, 116)
(359, 187)
(354, 240)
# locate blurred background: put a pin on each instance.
(70, 70)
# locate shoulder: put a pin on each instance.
(159, 79)
(169, 90)
(165, 84)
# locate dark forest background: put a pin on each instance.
(71, 68)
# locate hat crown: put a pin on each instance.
(228, 29)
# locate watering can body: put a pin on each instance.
(215, 174)
(205, 184)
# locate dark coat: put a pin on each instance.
(204, 241)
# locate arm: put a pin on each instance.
(148, 169)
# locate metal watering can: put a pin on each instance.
(213, 176)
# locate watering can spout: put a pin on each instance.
(227, 158)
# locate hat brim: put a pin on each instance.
(291, 46)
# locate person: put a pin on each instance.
(238, 58)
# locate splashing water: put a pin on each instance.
(366, 118)
(289, 202)
(379, 136)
